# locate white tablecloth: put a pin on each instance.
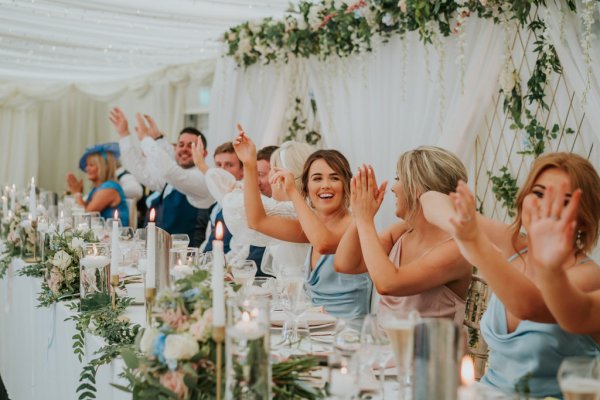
(36, 354)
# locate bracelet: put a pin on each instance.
(159, 137)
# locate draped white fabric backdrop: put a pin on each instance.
(368, 110)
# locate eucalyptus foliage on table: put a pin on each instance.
(175, 358)
(60, 270)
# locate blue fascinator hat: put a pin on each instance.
(102, 149)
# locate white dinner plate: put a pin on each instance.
(315, 319)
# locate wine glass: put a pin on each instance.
(126, 244)
(205, 260)
(579, 378)
(244, 272)
(343, 360)
(295, 300)
(97, 226)
(375, 347)
(180, 241)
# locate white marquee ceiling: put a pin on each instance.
(106, 40)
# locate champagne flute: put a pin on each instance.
(399, 326)
(579, 378)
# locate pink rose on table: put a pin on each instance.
(176, 319)
(61, 259)
(201, 328)
(173, 380)
(55, 280)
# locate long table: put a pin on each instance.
(36, 354)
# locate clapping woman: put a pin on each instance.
(322, 217)
(99, 163)
(524, 340)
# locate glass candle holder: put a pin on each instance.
(248, 367)
(94, 275)
(182, 262)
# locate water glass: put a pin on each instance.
(579, 378)
(180, 241)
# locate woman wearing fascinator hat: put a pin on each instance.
(99, 163)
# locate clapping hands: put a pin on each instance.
(74, 185)
(119, 121)
(365, 196)
(464, 219)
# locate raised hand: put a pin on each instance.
(552, 226)
(244, 147)
(365, 196)
(199, 155)
(140, 128)
(285, 178)
(153, 130)
(75, 185)
(464, 218)
(119, 121)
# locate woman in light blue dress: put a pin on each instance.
(525, 342)
(323, 216)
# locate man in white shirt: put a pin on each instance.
(154, 162)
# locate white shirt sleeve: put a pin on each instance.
(166, 146)
(234, 214)
(189, 181)
(131, 187)
(135, 161)
(220, 183)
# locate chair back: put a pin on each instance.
(478, 296)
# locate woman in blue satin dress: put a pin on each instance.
(323, 216)
(525, 342)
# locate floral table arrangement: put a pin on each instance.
(175, 357)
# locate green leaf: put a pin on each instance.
(130, 358)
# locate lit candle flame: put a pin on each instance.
(467, 371)
(32, 181)
(219, 231)
(95, 250)
(116, 214)
(245, 316)
(152, 215)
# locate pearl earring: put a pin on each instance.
(579, 240)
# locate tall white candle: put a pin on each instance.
(4, 206)
(115, 251)
(61, 222)
(151, 252)
(13, 198)
(218, 277)
(32, 200)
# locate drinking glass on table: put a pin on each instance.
(126, 245)
(180, 241)
(295, 299)
(205, 260)
(243, 273)
(399, 326)
(343, 360)
(375, 346)
(579, 378)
